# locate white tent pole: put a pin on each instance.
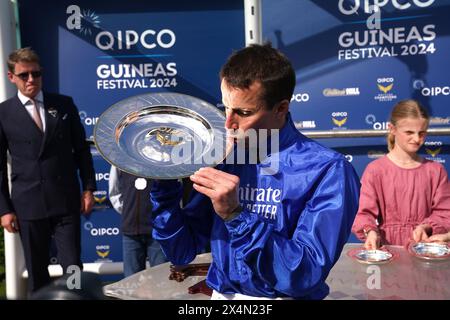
(14, 259)
(253, 27)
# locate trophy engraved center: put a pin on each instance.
(166, 136)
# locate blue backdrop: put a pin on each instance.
(100, 52)
(352, 66)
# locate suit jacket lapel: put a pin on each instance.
(23, 116)
(51, 121)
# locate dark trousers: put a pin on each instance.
(137, 249)
(36, 238)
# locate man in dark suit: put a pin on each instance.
(47, 145)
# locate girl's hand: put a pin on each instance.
(420, 233)
(372, 240)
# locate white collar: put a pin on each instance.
(24, 99)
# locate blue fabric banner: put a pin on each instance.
(100, 52)
(354, 62)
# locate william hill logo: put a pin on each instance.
(385, 87)
(339, 119)
(439, 121)
(305, 124)
(333, 92)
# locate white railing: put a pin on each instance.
(364, 133)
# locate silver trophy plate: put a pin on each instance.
(371, 256)
(429, 250)
(161, 135)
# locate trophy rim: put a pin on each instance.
(105, 132)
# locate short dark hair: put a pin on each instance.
(22, 55)
(264, 64)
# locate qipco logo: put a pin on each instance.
(339, 114)
(351, 7)
(128, 39)
(95, 232)
(436, 91)
(104, 232)
(300, 97)
(381, 125)
(100, 176)
(385, 80)
(88, 121)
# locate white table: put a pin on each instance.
(154, 283)
(405, 277)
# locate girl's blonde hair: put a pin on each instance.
(405, 109)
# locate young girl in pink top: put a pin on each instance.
(403, 196)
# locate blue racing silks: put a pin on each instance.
(290, 233)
